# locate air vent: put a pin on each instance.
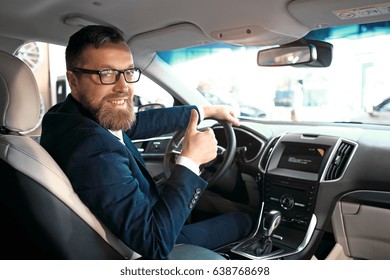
(267, 153)
(339, 161)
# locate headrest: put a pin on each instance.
(20, 102)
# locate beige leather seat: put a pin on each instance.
(41, 216)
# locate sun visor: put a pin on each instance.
(317, 14)
(145, 45)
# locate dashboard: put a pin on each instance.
(320, 179)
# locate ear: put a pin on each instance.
(72, 80)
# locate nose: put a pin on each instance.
(121, 85)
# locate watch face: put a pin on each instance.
(30, 54)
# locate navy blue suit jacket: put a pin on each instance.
(111, 180)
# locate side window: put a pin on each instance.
(147, 91)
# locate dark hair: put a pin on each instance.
(95, 35)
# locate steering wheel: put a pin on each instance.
(213, 170)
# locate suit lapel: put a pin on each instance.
(138, 158)
(133, 149)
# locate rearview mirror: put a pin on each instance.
(303, 53)
(286, 55)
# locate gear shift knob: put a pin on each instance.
(270, 222)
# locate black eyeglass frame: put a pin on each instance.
(116, 71)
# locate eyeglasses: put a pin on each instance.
(111, 76)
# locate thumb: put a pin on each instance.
(193, 122)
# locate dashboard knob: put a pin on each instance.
(287, 201)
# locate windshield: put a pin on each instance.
(349, 90)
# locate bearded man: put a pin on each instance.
(89, 135)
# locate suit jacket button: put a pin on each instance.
(193, 201)
(191, 205)
(198, 191)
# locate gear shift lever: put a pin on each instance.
(264, 245)
(270, 222)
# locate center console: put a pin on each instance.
(293, 169)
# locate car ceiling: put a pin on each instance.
(156, 25)
(251, 22)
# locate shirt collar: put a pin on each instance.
(118, 134)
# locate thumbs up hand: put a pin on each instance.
(199, 146)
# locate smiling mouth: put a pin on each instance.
(120, 102)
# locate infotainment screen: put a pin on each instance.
(306, 157)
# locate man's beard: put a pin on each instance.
(108, 116)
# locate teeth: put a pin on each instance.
(117, 102)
